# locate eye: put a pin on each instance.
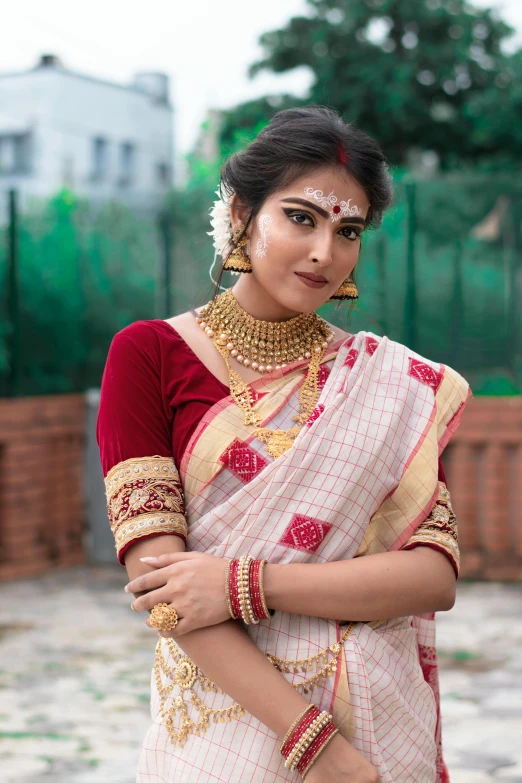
(299, 217)
(351, 233)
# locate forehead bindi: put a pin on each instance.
(329, 204)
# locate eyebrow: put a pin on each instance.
(321, 211)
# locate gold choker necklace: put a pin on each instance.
(262, 345)
(305, 337)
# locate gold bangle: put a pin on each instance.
(312, 760)
(262, 589)
(294, 724)
(227, 590)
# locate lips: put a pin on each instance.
(313, 278)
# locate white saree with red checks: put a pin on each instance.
(361, 478)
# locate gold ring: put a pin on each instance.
(163, 617)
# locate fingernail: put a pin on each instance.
(126, 588)
(132, 607)
(147, 559)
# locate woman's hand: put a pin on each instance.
(193, 582)
(341, 763)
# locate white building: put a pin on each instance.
(102, 140)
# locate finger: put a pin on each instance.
(171, 557)
(183, 626)
(150, 581)
(148, 601)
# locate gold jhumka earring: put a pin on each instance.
(347, 290)
(238, 261)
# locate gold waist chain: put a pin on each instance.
(185, 673)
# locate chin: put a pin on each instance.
(302, 301)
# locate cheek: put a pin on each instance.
(279, 241)
(346, 251)
(264, 224)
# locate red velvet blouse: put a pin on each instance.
(155, 390)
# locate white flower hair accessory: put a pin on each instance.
(221, 225)
(221, 231)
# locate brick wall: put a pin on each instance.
(42, 510)
(41, 484)
(483, 465)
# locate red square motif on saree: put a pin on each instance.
(243, 461)
(351, 358)
(305, 533)
(255, 396)
(425, 373)
(315, 415)
(371, 345)
(322, 375)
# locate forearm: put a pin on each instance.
(227, 655)
(150, 547)
(374, 587)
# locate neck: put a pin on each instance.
(257, 303)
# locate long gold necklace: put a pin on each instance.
(236, 333)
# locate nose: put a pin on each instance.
(322, 248)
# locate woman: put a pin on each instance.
(253, 428)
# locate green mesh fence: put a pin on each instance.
(443, 275)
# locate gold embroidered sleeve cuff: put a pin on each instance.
(439, 530)
(144, 498)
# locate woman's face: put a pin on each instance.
(305, 241)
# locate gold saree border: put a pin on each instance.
(416, 494)
(342, 707)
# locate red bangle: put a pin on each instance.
(315, 746)
(298, 732)
(255, 591)
(234, 593)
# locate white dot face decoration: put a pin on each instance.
(263, 223)
(338, 210)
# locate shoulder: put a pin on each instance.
(149, 339)
(393, 355)
(142, 349)
(426, 371)
(145, 334)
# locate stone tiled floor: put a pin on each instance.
(75, 666)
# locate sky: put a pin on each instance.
(205, 46)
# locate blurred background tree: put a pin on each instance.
(424, 75)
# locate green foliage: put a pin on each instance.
(428, 74)
(84, 274)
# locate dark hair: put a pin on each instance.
(300, 140)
